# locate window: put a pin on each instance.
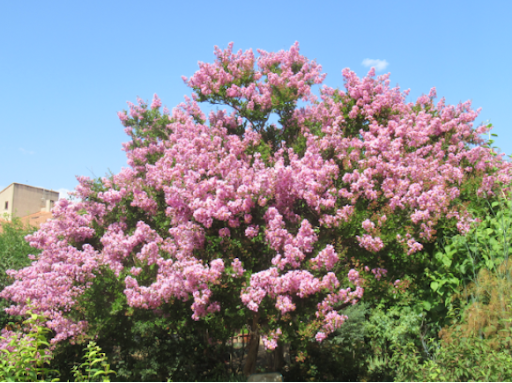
(6, 205)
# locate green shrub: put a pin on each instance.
(412, 330)
(14, 251)
(95, 365)
(24, 357)
(476, 344)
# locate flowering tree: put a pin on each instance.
(285, 212)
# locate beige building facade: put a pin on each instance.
(18, 200)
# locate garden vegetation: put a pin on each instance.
(358, 236)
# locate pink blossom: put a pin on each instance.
(373, 244)
(156, 102)
(326, 258)
(237, 268)
(320, 336)
(270, 341)
(368, 225)
(251, 231)
(224, 232)
(330, 282)
(413, 246)
(269, 344)
(379, 273)
(333, 321)
(353, 276)
(122, 116)
(284, 304)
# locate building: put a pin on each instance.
(18, 200)
(36, 219)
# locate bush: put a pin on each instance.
(24, 357)
(14, 255)
(476, 344)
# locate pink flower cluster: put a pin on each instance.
(237, 268)
(230, 69)
(326, 258)
(373, 244)
(379, 273)
(270, 340)
(191, 177)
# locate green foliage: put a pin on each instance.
(459, 259)
(144, 345)
(393, 334)
(387, 330)
(95, 365)
(469, 360)
(485, 309)
(25, 359)
(352, 331)
(476, 345)
(337, 359)
(14, 251)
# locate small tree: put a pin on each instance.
(266, 212)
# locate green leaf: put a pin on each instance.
(99, 372)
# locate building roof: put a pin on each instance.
(36, 219)
(30, 186)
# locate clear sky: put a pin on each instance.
(67, 67)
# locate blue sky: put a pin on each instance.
(66, 67)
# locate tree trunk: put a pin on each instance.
(279, 357)
(254, 345)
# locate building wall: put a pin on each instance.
(18, 200)
(28, 200)
(6, 197)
